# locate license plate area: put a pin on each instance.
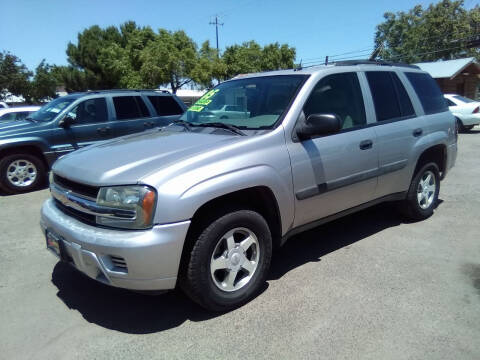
(55, 244)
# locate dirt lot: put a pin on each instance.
(366, 287)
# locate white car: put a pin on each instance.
(17, 113)
(465, 110)
(3, 105)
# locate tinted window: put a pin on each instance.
(129, 107)
(8, 116)
(338, 94)
(22, 115)
(450, 102)
(404, 101)
(428, 92)
(89, 111)
(165, 105)
(384, 95)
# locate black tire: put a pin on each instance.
(460, 127)
(410, 207)
(10, 188)
(197, 281)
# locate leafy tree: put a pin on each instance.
(209, 66)
(14, 76)
(441, 31)
(44, 84)
(169, 59)
(251, 57)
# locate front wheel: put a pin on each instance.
(229, 262)
(21, 173)
(423, 193)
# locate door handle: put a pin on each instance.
(149, 124)
(417, 132)
(104, 130)
(366, 144)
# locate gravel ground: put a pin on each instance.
(367, 286)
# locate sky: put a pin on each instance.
(34, 30)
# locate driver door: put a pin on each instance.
(338, 171)
(91, 124)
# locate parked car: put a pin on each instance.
(230, 112)
(3, 105)
(465, 110)
(201, 204)
(29, 147)
(17, 113)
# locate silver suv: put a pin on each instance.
(202, 202)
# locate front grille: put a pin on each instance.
(80, 189)
(119, 263)
(83, 217)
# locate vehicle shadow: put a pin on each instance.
(138, 313)
(311, 245)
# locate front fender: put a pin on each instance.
(184, 205)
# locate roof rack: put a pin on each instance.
(373, 62)
(128, 90)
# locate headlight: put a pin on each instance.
(139, 201)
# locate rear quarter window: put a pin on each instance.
(428, 92)
(165, 105)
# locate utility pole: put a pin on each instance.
(216, 23)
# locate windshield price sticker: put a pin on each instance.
(204, 100)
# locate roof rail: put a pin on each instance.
(128, 90)
(373, 62)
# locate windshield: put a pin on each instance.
(251, 103)
(464, 99)
(52, 109)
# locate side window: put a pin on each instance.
(90, 111)
(22, 115)
(130, 107)
(8, 116)
(450, 102)
(384, 95)
(428, 92)
(165, 105)
(338, 94)
(404, 101)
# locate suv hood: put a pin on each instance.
(128, 159)
(9, 128)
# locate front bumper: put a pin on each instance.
(152, 257)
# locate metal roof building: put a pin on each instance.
(460, 76)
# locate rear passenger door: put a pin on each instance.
(131, 115)
(397, 128)
(166, 107)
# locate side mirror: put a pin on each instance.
(319, 124)
(66, 122)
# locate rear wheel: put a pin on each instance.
(21, 173)
(423, 193)
(229, 262)
(460, 126)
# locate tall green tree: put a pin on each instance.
(14, 76)
(169, 59)
(444, 30)
(251, 57)
(43, 85)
